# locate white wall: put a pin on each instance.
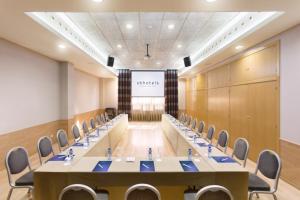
(29, 88)
(110, 93)
(290, 85)
(86, 92)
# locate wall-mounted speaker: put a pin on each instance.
(110, 61)
(187, 61)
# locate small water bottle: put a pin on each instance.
(98, 132)
(71, 154)
(150, 153)
(109, 154)
(87, 140)
(190, 154)
(195, 139)
(209, 150)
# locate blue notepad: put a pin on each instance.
(78, 144)
(93, 136)
(102, 166)
(147, 166)
(188, 166)
(58, 158)
(223, 159)
(202, 144)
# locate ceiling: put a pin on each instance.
(195, 21)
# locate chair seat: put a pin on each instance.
(256, 183)
(102, 194)
(190, 194)
(25, 180)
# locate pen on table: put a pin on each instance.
(186, 165)
(100, 166)
(145, 166)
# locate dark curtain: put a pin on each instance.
(124, 92)
(171, 92)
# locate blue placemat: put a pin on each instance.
(102, 166)
(147, 166)
(188, 166)
(223, 159)
(202, 144)
(58, 158)
(78, 144)
(93, 136)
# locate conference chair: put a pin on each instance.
(212, 192)
(77, 191)
(188, 121)
(240, 151)
(44, 148)
(62, 139)
(222, 142)
(98, 120)
(102, 118)
(201, 128)
(193, 124)
(76, 133)
(16, 162)
(269, 165)
(106, 117)
(210, 133)
(85, 128)
(93, 123)
(142, 191)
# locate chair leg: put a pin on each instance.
(274, 196)
(250, 196)
(9, 194)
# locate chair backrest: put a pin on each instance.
(76, 133)
(106, 116)
(210, 133)
(223, 140)
(193, 124)
(98, 120)
(92, 123)
(62, 139)
(241, 150)
(214, 192)
(188, 120)
(44, 148)
(85, 128)
(77, 191)
(269, 164)
(142, 191)
(102, 118)
(16, 161)
(201, 127)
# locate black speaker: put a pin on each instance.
(187, 61)
(110, 61)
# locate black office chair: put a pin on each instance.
(16, 162)
(269, 165)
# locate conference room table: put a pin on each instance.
(171, 175)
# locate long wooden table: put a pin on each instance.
(168, 177)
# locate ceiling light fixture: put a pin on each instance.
(179, 46)
(158, 63)
(98, 1)
(171, 26)
(129, 26)
(210, 1)
(61, 46)
(239, 47)
(119, 46)
(149, 26)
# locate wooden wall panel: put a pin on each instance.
(239, 113)
(289, 153)
(218, 108)
(263, 111)
(218, 77)
(256, 67)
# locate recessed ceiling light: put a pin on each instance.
(210, 1)
(239, 47)
(171, 26)
(179, 46)
(119, 46)
(129, 26)
(98, 1)
(158, 63)
(149, 26)
(62, 46)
